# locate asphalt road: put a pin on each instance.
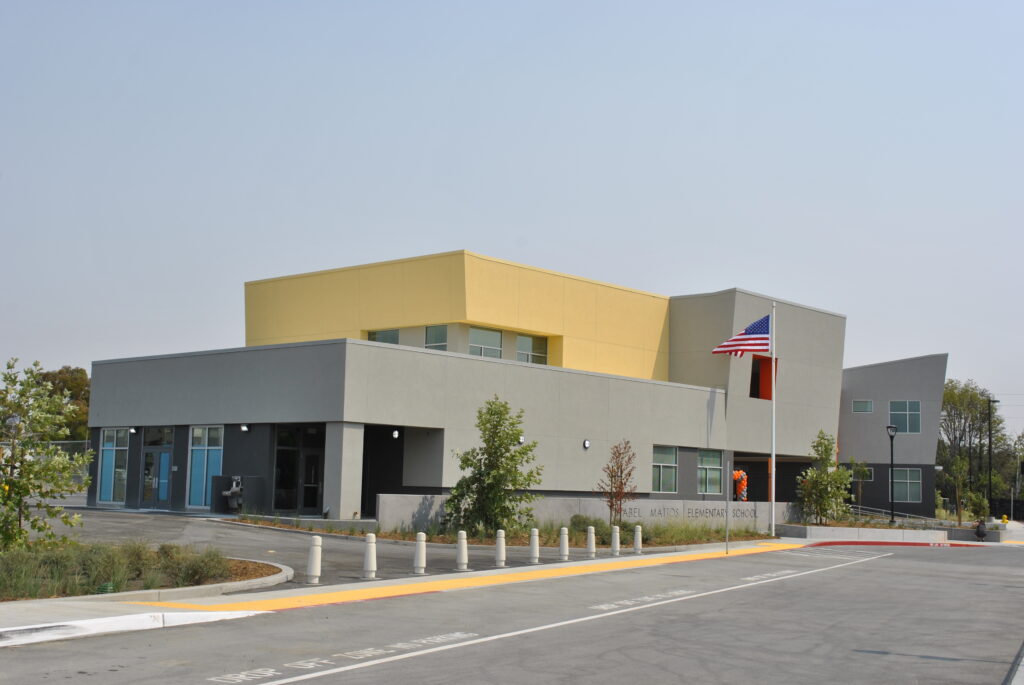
(342, 558)
(857, 614)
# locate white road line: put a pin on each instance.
(559, 624)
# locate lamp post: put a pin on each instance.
(990, 401)
(891, 430)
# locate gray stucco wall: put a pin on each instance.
(863, 436)
(386, 384)
(275, 384)
(809, 346)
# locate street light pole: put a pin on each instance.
(990, 401)
(891, 430)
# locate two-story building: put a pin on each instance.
(366, 380)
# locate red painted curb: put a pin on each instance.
(889, 543)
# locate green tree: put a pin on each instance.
(75, 381)
(33, 470)
(859, 472)
(964, 432)
(617, 486)
(955, 478)
(823, 489)
(491, 493)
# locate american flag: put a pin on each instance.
(754, 338)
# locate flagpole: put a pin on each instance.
(773, 332)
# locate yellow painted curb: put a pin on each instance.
(464, 582)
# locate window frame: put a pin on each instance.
(113, 449)
(869, 410)
(894, 415)
(372, 336)
(703, 470)
(480, 348)
(908, 482)
(440, 347)
(531, 356)
(205, 447)
(869, 479)
(659, 468)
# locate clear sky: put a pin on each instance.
(861, 157)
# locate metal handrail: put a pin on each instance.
(872, 512)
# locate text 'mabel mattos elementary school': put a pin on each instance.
(362, 382)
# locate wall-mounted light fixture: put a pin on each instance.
(586, 444)
(394, 434)
(522, 439)
(244, 427)
(132, 430)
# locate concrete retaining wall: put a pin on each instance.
(418, 512)
(967, 534)
(874, 534)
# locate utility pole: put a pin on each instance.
(990, 402)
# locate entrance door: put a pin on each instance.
(156, 479)
(299, 468)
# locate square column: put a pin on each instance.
(343, 469)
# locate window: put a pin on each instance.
(532, 349)
(388, 336)
(709, 472)
(484, 342)
(867, 479)
(113, 467)
(863, 406)
(437, 338)
(761, 377)
(157, 437)
(206, 454)
(906, 485)
(666, 466)
(905, 415)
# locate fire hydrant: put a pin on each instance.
(1005, 520)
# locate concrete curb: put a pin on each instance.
(66, 630)
(284, 574)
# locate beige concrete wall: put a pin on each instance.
(422, 388)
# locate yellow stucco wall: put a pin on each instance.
(591, 326)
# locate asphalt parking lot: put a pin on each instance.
(342, 557)
(856, 614)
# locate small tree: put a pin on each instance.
(823, 489)
(493, 490)
(34, 471)
(859, 471)
(956, 477)
(617, 486)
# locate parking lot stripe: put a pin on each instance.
(369, 592)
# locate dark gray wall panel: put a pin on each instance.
(273, 384)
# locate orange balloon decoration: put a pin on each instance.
(739, 477)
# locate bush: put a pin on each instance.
(977, 504)
(72, 569)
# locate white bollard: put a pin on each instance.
(615, 541)
(419, 557)
(313, 561)
(534, 546)
(499, 549)
(563, 544)
(591, 543)
(370, 557)
(638, 540)
(461, 553)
